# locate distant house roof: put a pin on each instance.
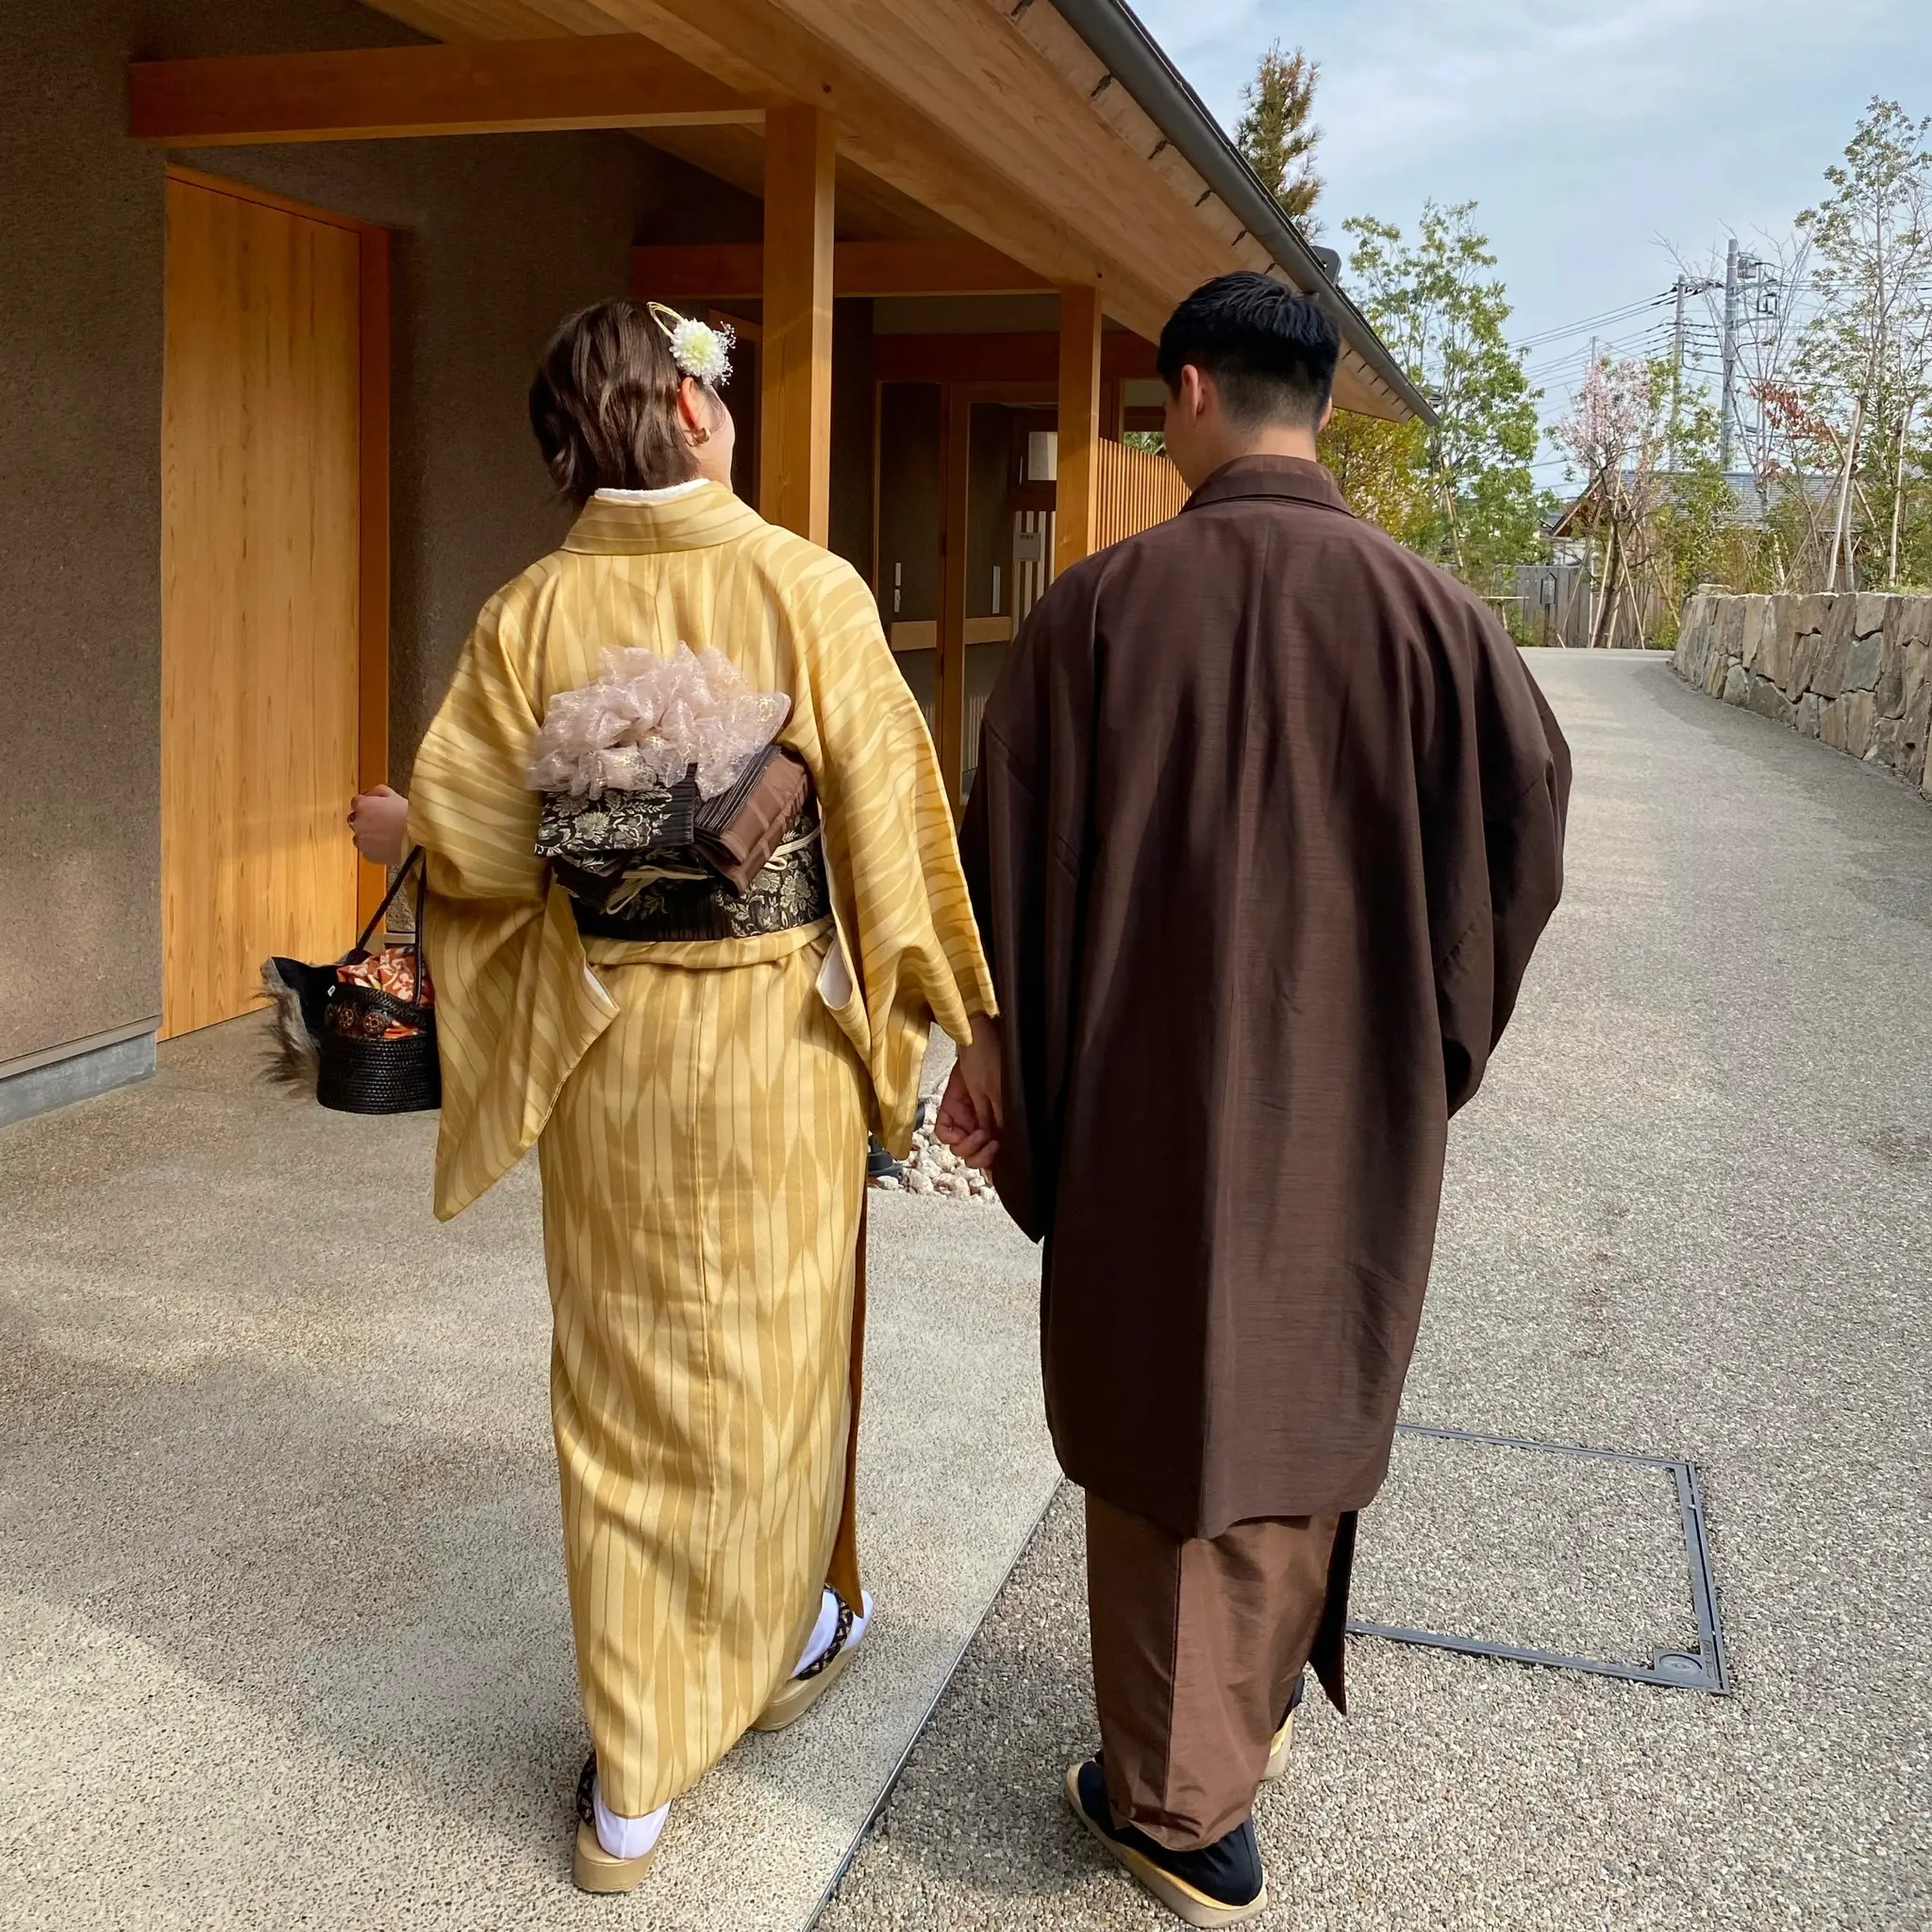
(1583, 512)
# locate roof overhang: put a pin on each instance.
(1053, 133)
(1138, 64)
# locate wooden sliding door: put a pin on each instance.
(273, 586)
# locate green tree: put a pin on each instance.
(1383, 470)
(1441, 313)
(1868, 347)
(1276, 135)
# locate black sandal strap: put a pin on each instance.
(833, 1648)
(587, 1785)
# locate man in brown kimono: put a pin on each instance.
(1268, 819)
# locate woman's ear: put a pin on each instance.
(693, 406)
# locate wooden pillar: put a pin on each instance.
(372, 649)
(796, 349)
(1076, 496)
(956, 519)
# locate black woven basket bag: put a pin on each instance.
(361, 1072)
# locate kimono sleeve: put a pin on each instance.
(1021, 841)
(516, 1004)
(1512, 774)
(904, 919)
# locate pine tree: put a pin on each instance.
(1276, 136)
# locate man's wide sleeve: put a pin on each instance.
(1518, 767)
(1023, 867)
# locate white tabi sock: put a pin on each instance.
(827, 1625)
(627, 1838)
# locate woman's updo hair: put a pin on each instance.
(604, 405)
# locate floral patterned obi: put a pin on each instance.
(628, 862)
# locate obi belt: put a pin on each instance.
(667, 864)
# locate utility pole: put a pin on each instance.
(1730, 353)
(1683, 287)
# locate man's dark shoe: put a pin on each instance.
(1221, 1884)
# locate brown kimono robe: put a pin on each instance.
(1268, 816)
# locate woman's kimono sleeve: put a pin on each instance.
(906, 939)
(517, 1006)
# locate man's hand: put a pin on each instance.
(970, 1116)
(379, 819)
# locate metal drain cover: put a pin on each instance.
(1544, 1553)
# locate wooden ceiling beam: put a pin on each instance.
(993, 117)
(902, 141)
(1008, 359)
(949, 103)
(375, 93)
(735, 270)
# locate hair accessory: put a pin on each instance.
(702, 351)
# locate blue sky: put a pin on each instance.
(1588, 135)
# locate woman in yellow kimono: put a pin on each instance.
(699, 1106)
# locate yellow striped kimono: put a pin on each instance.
(700, 1109)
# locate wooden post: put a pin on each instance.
(372, 650)
(1077, 497)
(1110, 407)
(955, 524)
(796, 413)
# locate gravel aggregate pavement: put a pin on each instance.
(283, 1633)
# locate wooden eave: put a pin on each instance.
(990, 120)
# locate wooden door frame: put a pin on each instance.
(957, 397)
(373, 490)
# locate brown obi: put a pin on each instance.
(642, 866)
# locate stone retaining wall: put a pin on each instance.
(1854, 670)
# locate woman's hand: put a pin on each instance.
(380, 820)
(970, 1116)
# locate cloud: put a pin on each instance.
(1405, 80)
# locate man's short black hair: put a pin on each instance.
(1271, 353)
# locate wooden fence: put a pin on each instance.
(1138, 490)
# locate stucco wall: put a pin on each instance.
(1852, 670)
(495, 239)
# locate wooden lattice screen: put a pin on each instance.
(1136, 491)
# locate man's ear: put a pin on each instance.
(1327, 410)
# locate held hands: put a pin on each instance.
(380, 820)
(970, 1116)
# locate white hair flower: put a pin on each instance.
(699, 350)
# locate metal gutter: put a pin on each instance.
(1137, 61)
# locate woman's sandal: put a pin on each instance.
(797, 1694)
(592, 1867)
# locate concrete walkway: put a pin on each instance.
(283, 1634)
(1691, 1215)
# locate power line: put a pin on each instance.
(1656, 338)
(1621, 313)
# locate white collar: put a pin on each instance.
(667, 494)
